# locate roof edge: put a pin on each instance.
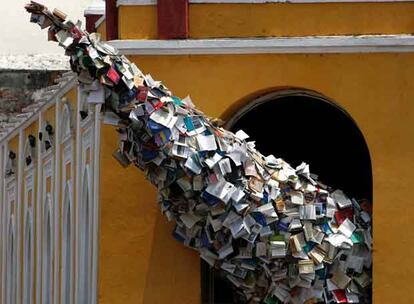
(29, 114)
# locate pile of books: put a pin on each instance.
(278, 234)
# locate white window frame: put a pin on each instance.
(67, 241)
(87, 156)
(86, 191)
(85, 239)
(46, 205)
(68, 208)
(40, 197)
(66, 123)
(11, 265)
(47, 251)
(28, 258)
(9, 262)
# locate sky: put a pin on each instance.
(19, 37)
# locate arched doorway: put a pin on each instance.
(300, 125)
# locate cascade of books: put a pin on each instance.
(277, 233)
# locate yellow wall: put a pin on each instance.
(13, 145)
(136, 245)
(137, 22)
(49, 116)
(102, 30)
(138, 255)
(275, 19)
(139, 260)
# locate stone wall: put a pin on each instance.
(18, 86)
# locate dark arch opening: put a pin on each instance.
(301, 126)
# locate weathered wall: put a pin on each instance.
(17, 87)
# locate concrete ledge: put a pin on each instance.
(41, 62)
(97, 7)
(293, 45)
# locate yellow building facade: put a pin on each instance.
(355, 54)
(76, 227)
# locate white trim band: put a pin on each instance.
(94, 11)
(289, 45)
(100, 21)
(135, 2)
(96, 8)
(154, 2)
